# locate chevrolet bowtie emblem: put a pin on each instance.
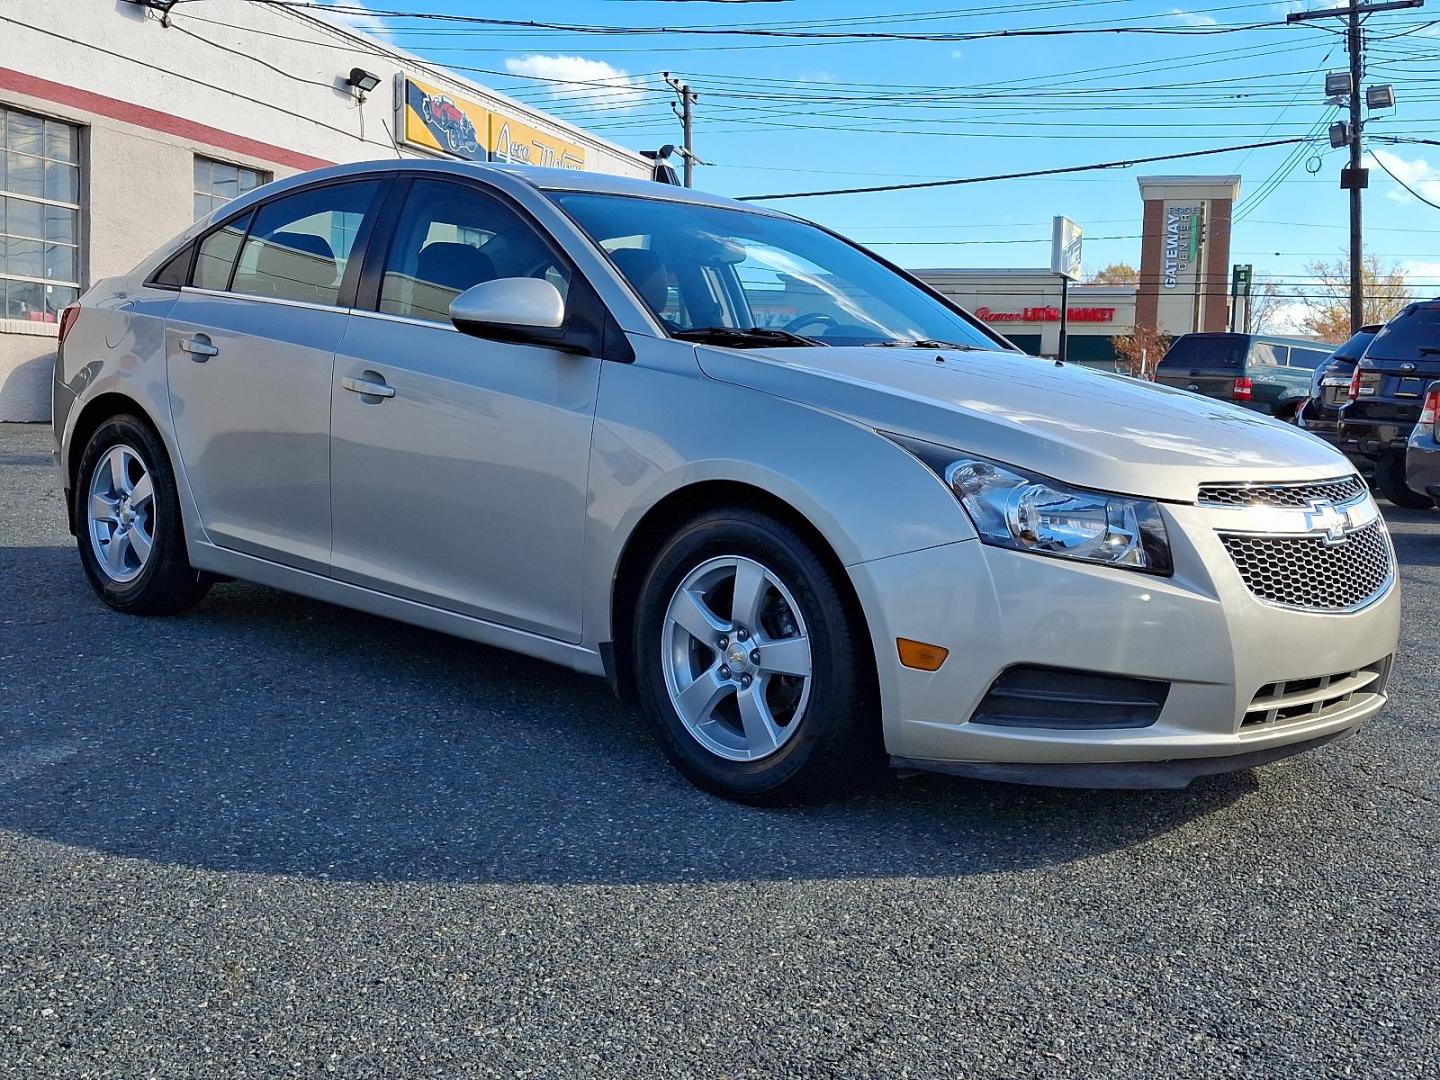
(1327, 518)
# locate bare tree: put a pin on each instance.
(1265, 308)
(1327, 302)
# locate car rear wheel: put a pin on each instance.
(1390, 479)
(127, 522)
(748, 665)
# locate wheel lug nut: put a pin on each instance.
(724, 673)
(742, 633)
(745, 680)
(755, 657)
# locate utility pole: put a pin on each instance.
(1355, 178)
(685, 112)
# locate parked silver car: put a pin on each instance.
(803, 509)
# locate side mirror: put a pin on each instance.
(529, 311)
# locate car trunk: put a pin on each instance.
(1399, 367)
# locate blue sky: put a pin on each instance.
(780, 114)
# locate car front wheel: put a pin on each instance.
(750, 669)
(1390, 479)
(127, 522)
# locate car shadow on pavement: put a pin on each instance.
(265, 733)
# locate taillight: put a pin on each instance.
(1243, 389)
(67, 320)
(1432, 406)
(1355, 384)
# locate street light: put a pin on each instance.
(1380, 97)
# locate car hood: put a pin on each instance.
(1084, 427)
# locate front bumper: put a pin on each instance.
(1201, 630)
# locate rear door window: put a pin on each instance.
(300, 244)
(1412, 335)
(450, 237)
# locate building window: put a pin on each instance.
(217, 182)
(39, 216)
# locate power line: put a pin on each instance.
(1378, 161)
(1020, 175)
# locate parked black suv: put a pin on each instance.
(1263, 372)
(1386, 392)
(1330, 387)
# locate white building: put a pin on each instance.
(121, 123)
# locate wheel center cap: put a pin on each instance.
(738, 656)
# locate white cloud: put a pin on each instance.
(1191, 18)
(579, 78)
(1418, 174)
(1420, 270)
(1288, 319)
(365, 23)
(957, 54)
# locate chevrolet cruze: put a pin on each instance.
(806, 512)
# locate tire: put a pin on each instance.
(1390, 480)
(823, 736)
(143, 569)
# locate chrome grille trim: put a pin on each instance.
(1300, 493)
(1313, 573)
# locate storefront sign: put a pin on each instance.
(1182, 242)
(1066, 248)
(1048, 314)
(521, 144)
(440, 121)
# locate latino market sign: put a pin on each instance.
(1048, 314)
(1182, 241)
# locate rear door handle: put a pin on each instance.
(199, 348)
(368, 388)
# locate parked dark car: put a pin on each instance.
(1386, 393)
(1263, 372)
(1330, 386)
(1422, 459)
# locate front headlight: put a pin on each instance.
(1026, 512)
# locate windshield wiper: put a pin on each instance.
(925, 343)
(742, 336)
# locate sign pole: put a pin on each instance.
(1064, 316)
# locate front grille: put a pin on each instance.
(1307, 572)
(1033, 696)
(1340, 490)
(1315, 698)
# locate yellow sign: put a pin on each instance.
(438, 120)
(521, 144)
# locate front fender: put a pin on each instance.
(659, 430)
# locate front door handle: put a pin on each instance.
(199, 348)
(368, 387)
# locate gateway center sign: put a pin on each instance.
(1182, 241)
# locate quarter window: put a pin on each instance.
(39, 216)
(217, 182)
(217, 254)
(299, 244)
(450, 237)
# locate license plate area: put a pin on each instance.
(1410, 387)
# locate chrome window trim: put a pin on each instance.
(281, 301)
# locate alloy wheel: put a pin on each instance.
(736, 658)
(120, 514)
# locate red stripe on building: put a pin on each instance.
(153, 119)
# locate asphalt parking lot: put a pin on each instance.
(277, 838)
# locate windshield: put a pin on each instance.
(1207, 351)
(1414, 334)
(706, 268)
(1354, 348)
